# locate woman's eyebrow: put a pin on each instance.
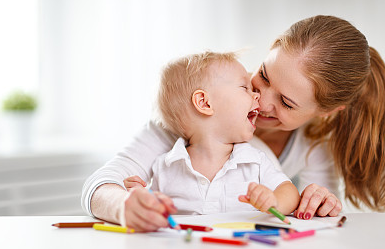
(283, 96)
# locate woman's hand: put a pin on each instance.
(317, 200)
(134, 181)
(144, 211)
(259, 196)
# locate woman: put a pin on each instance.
(322, 112)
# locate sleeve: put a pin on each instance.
(270, 176)
(319, 169)
(135, 159)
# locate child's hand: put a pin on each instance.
(144, 211)
(260, 197)
(134, 181)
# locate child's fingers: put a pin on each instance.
(143, 211)
(268, 202)
(251, 188)
(134, 179)
(243, 198)
(167, 201)
(132, 185)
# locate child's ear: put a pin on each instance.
(200, 100)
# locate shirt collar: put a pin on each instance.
(178, 152)
(243, 153)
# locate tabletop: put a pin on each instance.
(361, 230)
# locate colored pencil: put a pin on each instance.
(117, 229)
(75, 224)
(171, 221)
(296, 235)
(262, 227)
(195, 228)
(188, 235)
(261, 239)
(279, 215)
(341, 221)
(272, 232)
(225, 241)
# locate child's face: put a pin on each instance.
(234, 103)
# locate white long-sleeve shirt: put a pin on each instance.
(152, 141)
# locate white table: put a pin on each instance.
(361, 230)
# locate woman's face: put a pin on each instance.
(287, 96)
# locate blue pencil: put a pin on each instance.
(270, 232)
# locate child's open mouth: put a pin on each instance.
(252, 116)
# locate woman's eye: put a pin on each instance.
(263, 76)
(284, 104)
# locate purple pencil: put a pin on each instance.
(261, 239)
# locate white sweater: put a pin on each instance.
(152, 141)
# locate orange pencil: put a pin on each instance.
(75, 224)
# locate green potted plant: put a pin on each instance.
(19, 101)
(18, 113)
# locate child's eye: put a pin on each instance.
(284, 104)
(245, 87)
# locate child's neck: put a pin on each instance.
(208, 155)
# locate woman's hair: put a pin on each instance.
(336, 57)
(179, 80)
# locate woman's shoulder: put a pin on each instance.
(258, 144)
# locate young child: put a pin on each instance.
(208, 100)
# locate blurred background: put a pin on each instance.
(93, 66)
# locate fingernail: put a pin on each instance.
(300, 215)
(307, 216)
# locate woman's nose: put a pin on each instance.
(266, 104)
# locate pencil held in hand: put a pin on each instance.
(171, 221)
(279, 215)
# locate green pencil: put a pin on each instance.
(279, 215)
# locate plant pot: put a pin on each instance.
(16, 132)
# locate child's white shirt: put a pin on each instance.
(193, 193)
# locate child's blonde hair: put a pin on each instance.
(180, 79)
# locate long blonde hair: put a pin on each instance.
(345, 71)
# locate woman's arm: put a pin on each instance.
(135, 159)
(319, 183)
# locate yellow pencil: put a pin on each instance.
(117, 229)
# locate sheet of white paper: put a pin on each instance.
(258, 218)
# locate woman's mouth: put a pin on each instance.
(265, 115)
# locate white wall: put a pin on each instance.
(95, 63)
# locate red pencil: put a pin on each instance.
(296, 235)
(225, 241)
(195, 227)
(75, 224)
